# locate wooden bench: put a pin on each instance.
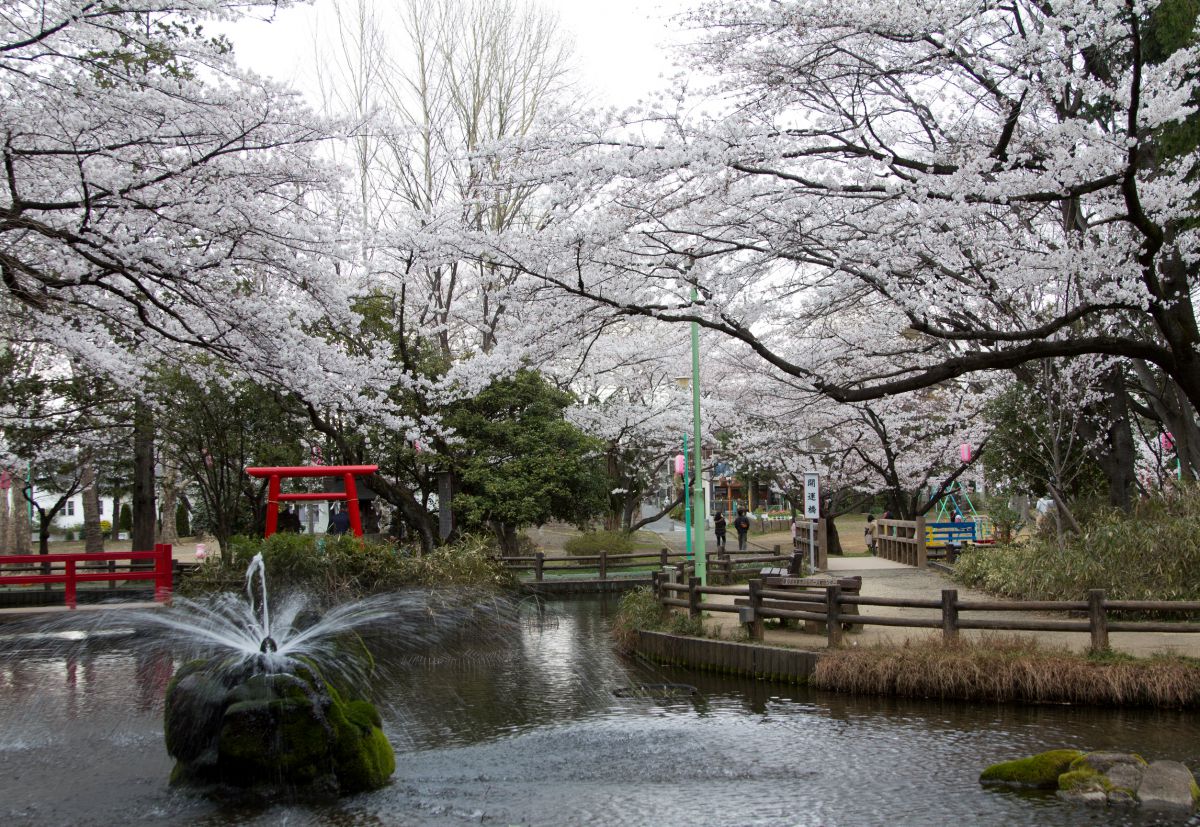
(780, 580)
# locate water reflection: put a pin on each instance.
(534, 730)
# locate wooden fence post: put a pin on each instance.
(723, 568)
(656, 584)
(1098, 620)
(949, 614)
(756, 625)
(821, 554)
(69, 585)
(693, 596)
(776, 550)
(604, 565)
(662, 557)
(539, 560)
(922, 559)
(833, 621)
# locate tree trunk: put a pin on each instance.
(168, 505)
(22, 528)
(93, 537)
(6, 543)
(144, 513)
(833, 540)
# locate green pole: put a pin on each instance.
(687, 505)
(698, 499)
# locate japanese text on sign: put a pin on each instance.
(812, 497)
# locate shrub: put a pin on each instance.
(346, 568)
(637, 610)
(182, 528)
(593, 542)
(106, 528)
(69, 536)
(1151, 554)
(125, 523)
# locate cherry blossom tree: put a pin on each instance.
(916, 193)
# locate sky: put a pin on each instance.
(619, 44)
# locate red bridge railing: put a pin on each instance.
(72, 569)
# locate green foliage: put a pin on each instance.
(593, 542)
(519, 462)
(182, 526)
(1151, 554)
(346, 567)
(637, 610)
(69, 536)
(125, 522)
(1033, 442)
(1003, 516)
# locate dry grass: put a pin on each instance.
(1010, 669)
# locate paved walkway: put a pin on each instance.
(883, 578)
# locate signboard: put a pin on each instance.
(812, 497)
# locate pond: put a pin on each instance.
(546, 730)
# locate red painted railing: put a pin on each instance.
(72, 573)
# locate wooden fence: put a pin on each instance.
(837, 613)
(902, 541)
(722, 566)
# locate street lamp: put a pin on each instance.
(698, 505)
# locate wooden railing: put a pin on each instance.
(73, 569)
(902, 541)
(837, 612)
(722, 566)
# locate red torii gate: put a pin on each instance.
(346, 472)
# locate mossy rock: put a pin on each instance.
(279, 730)
(1040, 771)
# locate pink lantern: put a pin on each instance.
(680, 464)
(964, 452)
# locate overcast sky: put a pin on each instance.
(618, 44)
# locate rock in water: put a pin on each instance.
(1168, 785)
(287, 731)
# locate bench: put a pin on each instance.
(779, 580)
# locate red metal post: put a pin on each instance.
(69, 584)
(272, 505)
(164, 565)
(352, 504)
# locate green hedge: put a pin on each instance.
(345, 567)
(594, 542)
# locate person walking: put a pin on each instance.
(719, 528)
(871, 533)
(741, 525)
(339, 522)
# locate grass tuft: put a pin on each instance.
(1009, 669)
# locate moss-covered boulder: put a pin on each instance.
(1040, 771)
(1103, 778)
(288, 731)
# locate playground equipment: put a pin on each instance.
(955, 521)
(273, 476)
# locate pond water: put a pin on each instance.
(542, 731)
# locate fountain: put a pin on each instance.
(275, 702)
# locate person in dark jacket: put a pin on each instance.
(741, 525)
(339, 522)
(719, 528)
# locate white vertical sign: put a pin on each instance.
(812, 497)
